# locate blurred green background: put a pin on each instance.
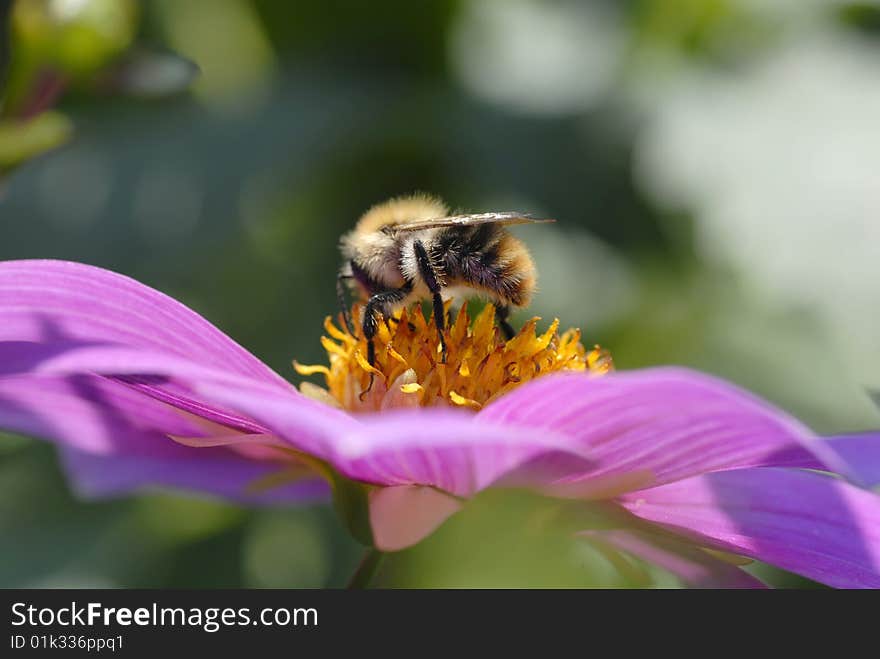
(714, 166)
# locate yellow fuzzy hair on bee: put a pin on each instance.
(401, 210)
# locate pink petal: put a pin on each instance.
(444, 448)
(92, 414)
(403, 515)
(807, 523)
(119, 439)
(115, 440)
(656, 426)
(169, 379)
(55, 301)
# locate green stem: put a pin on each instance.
(366, 570)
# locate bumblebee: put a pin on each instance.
(410, 248)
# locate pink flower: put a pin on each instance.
(138, 390)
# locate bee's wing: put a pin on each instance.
(474, 219)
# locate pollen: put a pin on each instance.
(409, 371)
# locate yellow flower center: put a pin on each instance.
(409, 371)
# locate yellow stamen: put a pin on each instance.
(480, 364)
(335, 333)
(364, 364)
(462, 401)
(394, 354)
(307, 369)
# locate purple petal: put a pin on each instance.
(654, 426)
(213, 472)
(57, 301)
(441, 447)
(92, 414)
(169, 379)
(695, 567)
(78, 359)
(115, 440)
(862, 453)
(807, 523)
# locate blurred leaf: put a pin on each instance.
(64, 42)
(77, 37)
(194, 518)
(146, 73)
(863, 16)
(366, 35)
(287, 549)
(228, 40)
(22, 140)
(697, 28)
(12, 443)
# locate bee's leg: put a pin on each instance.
(429, 275)
(501, 314)
(378, 304)
(343, 304)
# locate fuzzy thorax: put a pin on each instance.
(480, 366)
